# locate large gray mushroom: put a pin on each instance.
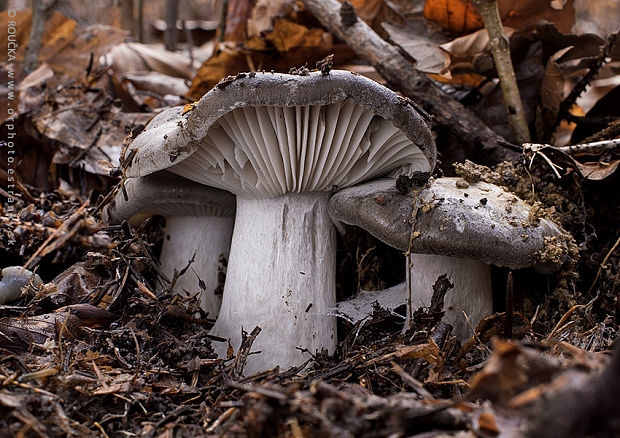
(281, 143)
(460, 229)
(199, 221)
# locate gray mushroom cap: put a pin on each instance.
(455, 218)
(171, 137)
(167, 194)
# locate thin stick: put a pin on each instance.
(600, 269)
(56, 233)
(560, 323)
(596, 147)
(509, 311)
(500, 47)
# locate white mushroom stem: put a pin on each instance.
(184, 236)
(472, 292)
(281, 277)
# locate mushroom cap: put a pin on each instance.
(265, 134)
(167, 194)
(454, 218)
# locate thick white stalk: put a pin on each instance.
(209, 237)
(281, 277)
(472, 291)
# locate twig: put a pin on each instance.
(222, 26)
(221, 419)
(611, 131)
(536, 150)
(600, 269)
(359, 265)
(509, 310)
(244, 350)
(500, 47)
(138, 357)
(92, 143)
(56, 233)
(40, 14)
(411, 381)
(560, 323)
(415, 204)
(596, 147)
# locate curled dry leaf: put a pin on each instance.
(550, 95)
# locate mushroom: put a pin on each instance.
(281, 143)
(199, 221)
(13, 279)
(463, 228)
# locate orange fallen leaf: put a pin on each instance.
(461, 16)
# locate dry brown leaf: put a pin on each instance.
(456, 16)
(550, 95)
(227, 60)
(264, 13)
(113, 389)
(429, 352)
(502, 376)
(65, 48)
(512, 369)
(596, 171)
(288, 45)
(287, 36)
(463, 52)
(468, 79)
(584, 45)
(461, 16)
(428, 56)
(522, 14)
(367, 10)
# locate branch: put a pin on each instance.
(401, 75)
(500, 47)
(40, 12)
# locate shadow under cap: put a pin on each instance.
(171, 137)
(167, 194)
(455, 218)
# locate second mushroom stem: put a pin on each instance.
(500, 47)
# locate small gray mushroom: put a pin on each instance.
(199, 219)
(14, 278)
(281, 143)
(460, 229)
